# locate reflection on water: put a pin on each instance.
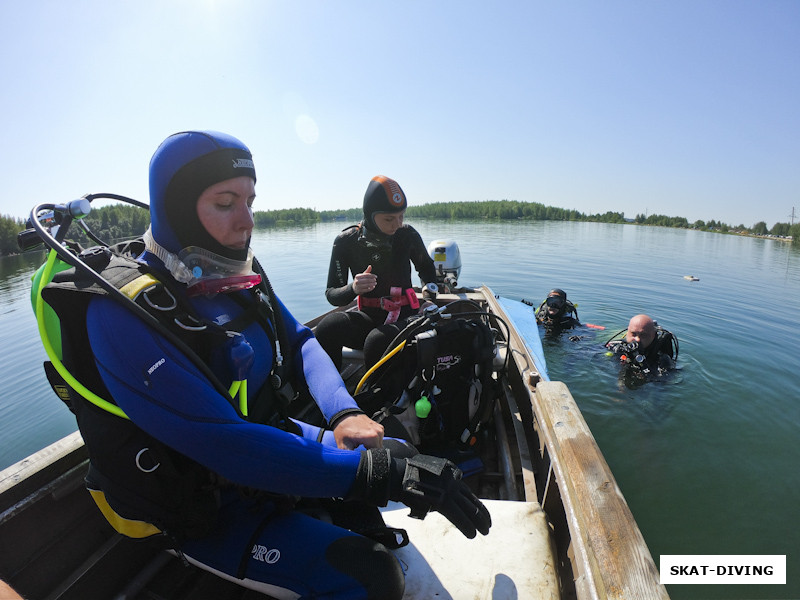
(707, 459)
(30, 414)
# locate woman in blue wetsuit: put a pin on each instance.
(379, 253)
(179, 466)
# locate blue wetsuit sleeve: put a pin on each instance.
(314, 366)
(168, 397)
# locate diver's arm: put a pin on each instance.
(339, 291)
(350, 425)
(539, 313)
(165, 394)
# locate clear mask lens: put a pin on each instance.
(215, 274)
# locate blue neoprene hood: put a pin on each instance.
(174, 155)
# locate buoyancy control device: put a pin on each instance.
(142, 487)
(436, 379)
(639, 366)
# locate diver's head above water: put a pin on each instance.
(642, 330)
(556, 301)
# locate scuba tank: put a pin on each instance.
(63, 256)
(161, 492)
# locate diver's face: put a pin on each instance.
(389, 223)
(226, 211)
(642, 334)
(554, 304)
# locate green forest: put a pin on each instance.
(120, 221)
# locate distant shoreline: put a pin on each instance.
(126, 225)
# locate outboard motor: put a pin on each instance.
(447, 260)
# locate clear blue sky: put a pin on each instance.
(687, 108)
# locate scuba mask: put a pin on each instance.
(215, 274)
(555, 303)
(205, 272)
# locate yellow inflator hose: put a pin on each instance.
(366, 376)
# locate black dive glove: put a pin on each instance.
(423, 483)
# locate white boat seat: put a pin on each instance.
(516, 560)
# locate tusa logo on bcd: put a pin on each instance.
(447, 361)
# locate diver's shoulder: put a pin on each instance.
(349, 232)
(408, 231)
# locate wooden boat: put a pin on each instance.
(561, 526)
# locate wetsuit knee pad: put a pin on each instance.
(369, 563)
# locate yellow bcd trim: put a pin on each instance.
(127, 527)
(135, 287)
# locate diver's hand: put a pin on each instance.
(423, 483)
(365, 282)
(356, 430)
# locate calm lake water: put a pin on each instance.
(708, 460)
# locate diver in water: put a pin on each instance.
(189, 430)
(647, 352)
(378, 252)
(556, 313)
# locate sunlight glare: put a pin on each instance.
(306, 129)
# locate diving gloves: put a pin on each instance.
(423, 483)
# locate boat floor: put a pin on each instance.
(516, 559)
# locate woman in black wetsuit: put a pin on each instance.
(378, 252)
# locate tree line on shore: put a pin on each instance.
(121, 221)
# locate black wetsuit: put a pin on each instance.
(642, 365)
(565, 318)
(391, 257)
